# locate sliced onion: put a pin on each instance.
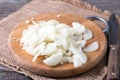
(87, 34)
(53, 60)
(52, 23)
(81, 43)
(78, 28)
(50, 49)
(58, 42)
(91, 47)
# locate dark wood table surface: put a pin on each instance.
(9, 6)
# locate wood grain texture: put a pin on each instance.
(65, 70)
(113, 70)
(110, 5)
(11, 75)
(9, 6)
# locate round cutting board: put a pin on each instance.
(25, 60)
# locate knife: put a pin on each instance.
(113, 71)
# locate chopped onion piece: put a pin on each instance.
(53, 60)
(78, 28)
(87, 34)
(50, 49)
(91, 47)
(61, 40)
(75, 50)
(81, 43)
(52, 23)
(35, 57)
(77, 62)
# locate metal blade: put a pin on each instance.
(114, 30)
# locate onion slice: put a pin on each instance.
(91, 47)
(53, 60)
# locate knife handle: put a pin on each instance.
(113, 71)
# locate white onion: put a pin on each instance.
(53, 60)
(88, 34)
(57, 42)
(91, 47)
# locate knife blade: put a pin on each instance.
(113, 71)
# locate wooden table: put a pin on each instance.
(9, 6)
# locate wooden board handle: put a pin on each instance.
(113, 70)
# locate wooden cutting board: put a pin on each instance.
(38, 67)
